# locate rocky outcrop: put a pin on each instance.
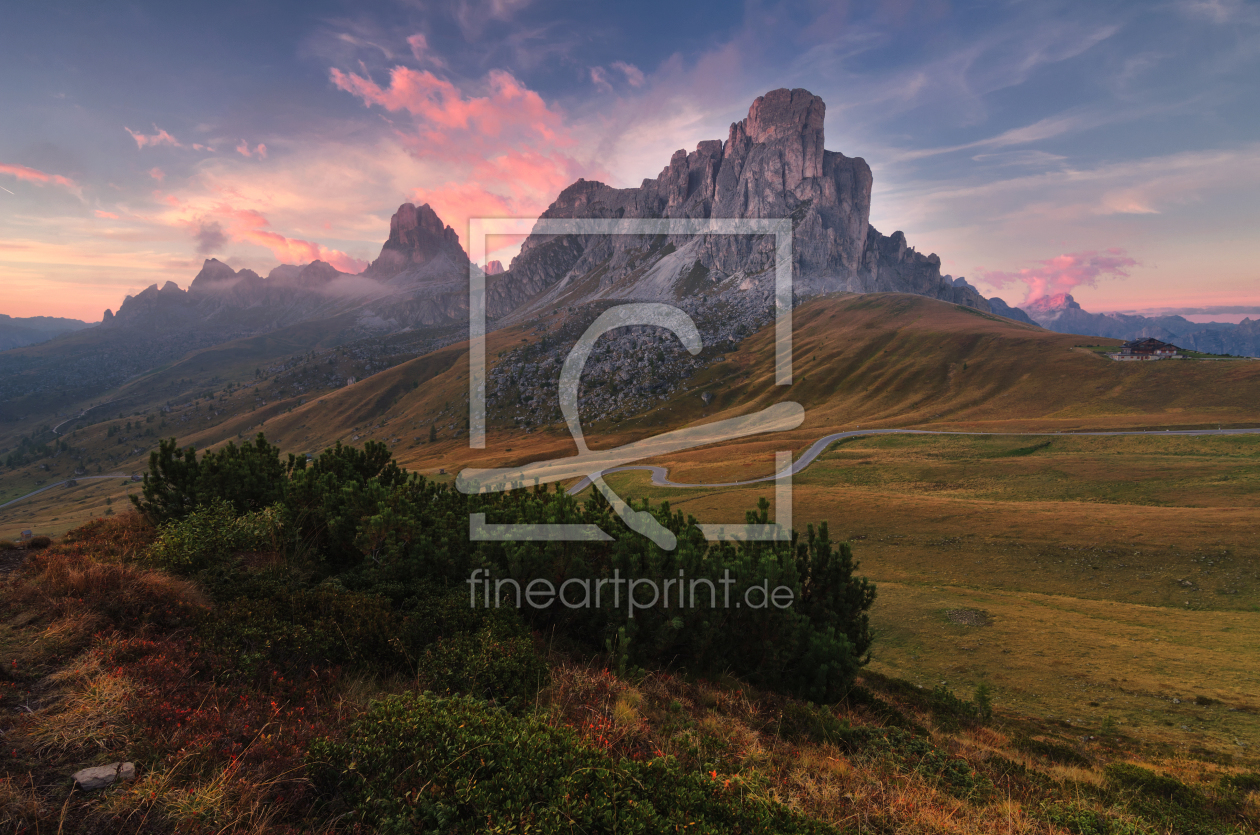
(494, 267)
(416, 237)
(772, 165)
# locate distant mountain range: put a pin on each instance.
(15, 332)
(772, 165)
(1061, 313)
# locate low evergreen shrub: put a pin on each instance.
(212, 534)
(418, 763)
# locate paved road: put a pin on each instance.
(58, 484)
(57, 429)
(660, 476)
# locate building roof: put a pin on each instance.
(1150, 343)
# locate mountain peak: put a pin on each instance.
(213, 270)
(416, 236)
(786, 113)
(1057, 302)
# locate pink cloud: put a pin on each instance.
(1063, 273)
(506, 150)
(253, 227)
(157, 173)
(243, 149)
(508, 105)
(161, 137)
(107, 215)
(34, 175)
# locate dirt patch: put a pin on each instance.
(968, 617)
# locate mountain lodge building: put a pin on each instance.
(1146, 349)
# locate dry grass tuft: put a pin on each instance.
(124, 537)
(21, 807)
(89, 715)
(56, 584)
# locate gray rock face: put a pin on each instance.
(772, 165)
(416, 237)
(101, 776)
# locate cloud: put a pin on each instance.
(472, 15)
(253, 227)
(243, 149)
(209, 236)
(634, 75)
(498, 150)
(106, 215)
(161, 137)
(1063, 273)
(420, 51)
(34, 175)
(1019, 158)
(600, 79)
(362, 42)
(157, 173)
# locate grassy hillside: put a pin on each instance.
(870, 361)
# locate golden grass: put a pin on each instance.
(89, 713)
(1074, 661)
(55, 583)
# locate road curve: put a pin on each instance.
(660, 476)
(58, 484)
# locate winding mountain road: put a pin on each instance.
(58, 484)
(660, 476)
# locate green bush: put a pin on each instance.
(416, 763)
(299, 628)
(1246, 782)
(249, 477)
(355, 515)
(1127, 777)
(492, 664)
(1082, 820)
(38, 543)
(808, 722)
(209, 535)
(1053, 751)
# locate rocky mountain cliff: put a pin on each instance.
(1062, 313)
(772, 165)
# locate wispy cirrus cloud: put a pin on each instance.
(34, 175)
(634, 75)
(153, 140)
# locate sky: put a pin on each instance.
(1109, 150)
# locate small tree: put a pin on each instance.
(433, 433)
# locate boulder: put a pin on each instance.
(101, 776)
